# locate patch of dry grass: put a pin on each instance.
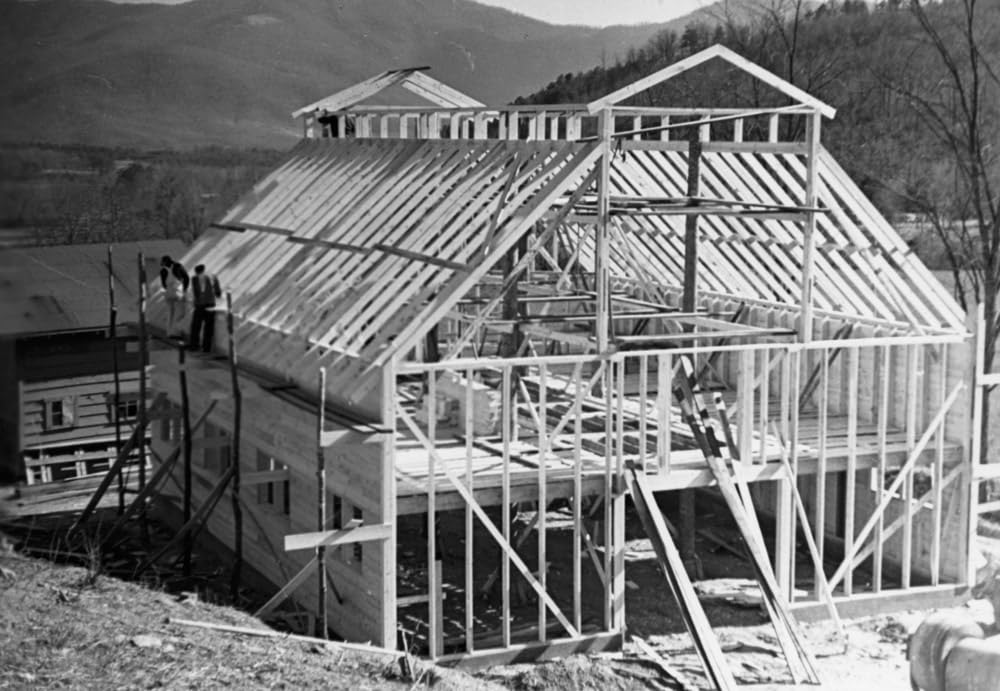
(62, 628)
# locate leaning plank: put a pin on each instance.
(820, 576)
(286, 590)
(154, 482)
(202, 512)
(784, 625)
(667, 668)
(707, 645)
(269, 633)
(123, 456)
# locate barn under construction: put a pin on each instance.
(459, 312)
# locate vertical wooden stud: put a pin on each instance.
(852, 462)
(883, 429)
(469, 547)
(143, 422)
(507, 421)
(809, 227)
(186, 441)
(234, 585)
(321, 619)
(433, 574)
(543, 443)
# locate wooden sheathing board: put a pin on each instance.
(274, 427)
(91, 398)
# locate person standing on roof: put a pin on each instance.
(175, 282)
(205, 289)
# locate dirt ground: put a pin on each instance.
(60, 627)
(71, 626)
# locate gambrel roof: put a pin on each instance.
(352, 249)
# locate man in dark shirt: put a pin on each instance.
(205, 289)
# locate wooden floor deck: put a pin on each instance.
(687, 467)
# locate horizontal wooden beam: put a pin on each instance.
(427, 259)
(695, 335)
(578, 340)
(796, 148)
(343, 536)
(290, 236)
(989, 379)
(986, 471)
(264, 477)
(755, 214)
(533, 652)
(870, 604)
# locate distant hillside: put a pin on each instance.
(228, 72)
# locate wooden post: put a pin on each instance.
(689, 303)
(142, 413)
(975, 434)
(186, 422)
(809, 228)
(690, 298)
(321, 621)
(602, 324)
(510, 309)
(234, 585)
(469, 429)
(113, 333)
(435, 605)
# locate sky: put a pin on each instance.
(588, 12)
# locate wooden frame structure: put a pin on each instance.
(505, 303)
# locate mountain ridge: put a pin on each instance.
(229, 72)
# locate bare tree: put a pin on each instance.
(958, 102)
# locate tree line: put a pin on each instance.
(54, 195)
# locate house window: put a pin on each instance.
(358, 548)
(217, 453)
(274, 494)
(127, 409)
(60, 413)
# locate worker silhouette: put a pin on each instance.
(174, 279)
(205, 289)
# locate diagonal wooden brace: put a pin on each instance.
(487, 523)
(896, 484)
